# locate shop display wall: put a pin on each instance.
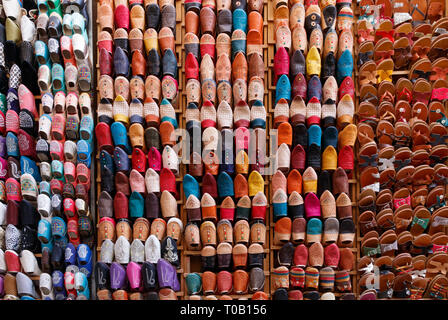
(113, 146)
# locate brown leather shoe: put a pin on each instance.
(138, 64)
(239, 67)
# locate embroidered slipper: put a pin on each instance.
(345, 42)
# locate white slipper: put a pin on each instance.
(46, 284)
(44, 78)
(170, 159)
(25, 286)
(137, 251)
(81, 207)
(3, 208)
(79, 46)
(12, 9)
(107, 251)
(28, 30)
(45, 126)
(3, 267)
(122, 250)
(152, 181)
(70, 151)
(85, 104)
(44, 205)
(29, 263)
(152, 249)
(45, 171)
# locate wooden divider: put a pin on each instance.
(354, 182)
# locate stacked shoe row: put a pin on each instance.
(315, 139)
(19, 218)
(315, 235)
(139, 229)
(64, 146)
(402, 153)
(231, 246)
(37, 176)
(226, 121)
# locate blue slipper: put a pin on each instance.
(314, 229)
(70, 254)
(12, 145)
(314, 88)
(12, 100)
(84, 259)
(345, 66)
(58, 281)
(41, 52)
(86, 128)
(29, 166)
(122, 162)
(330, 137)
(44, 188)
(107, 161)
(44, 231)
(172, 120)
(194, 283)
(280, 204)
(239, 20)
(82, 286)
(283, 89)
(258, 122)
(87, 162)
(57, 78)
(57, 169)
(120, 136)
(238, 42)
(225, 185)
(84, 148)
(42, 6)
(58, 228)
(191, 186)
(136, 205)
(314, 135)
